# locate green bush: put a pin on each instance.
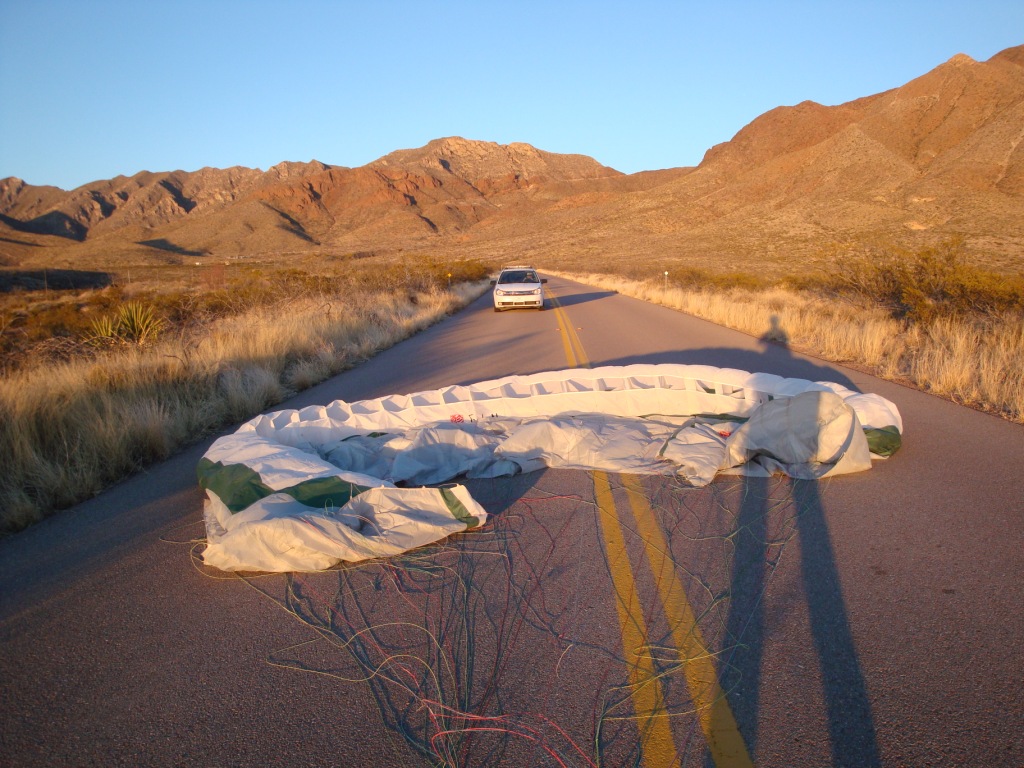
(931, 283)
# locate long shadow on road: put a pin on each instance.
(852, 734)
(774, 359)
(573, 299)
(745, 625)
(770, 512)
(850, 721)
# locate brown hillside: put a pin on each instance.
(441, 189)
(909, 167)
(444, 188)
(939, 156)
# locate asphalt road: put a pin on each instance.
(869, 620)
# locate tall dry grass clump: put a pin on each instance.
(70, 429)
(974, 358)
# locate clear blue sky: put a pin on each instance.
(90, 89)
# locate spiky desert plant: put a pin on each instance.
(103, 331)
(138, 323)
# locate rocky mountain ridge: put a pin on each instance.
(446, 186)
(938, 156)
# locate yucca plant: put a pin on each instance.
(138, 323)
(104, 332)
(134, 324)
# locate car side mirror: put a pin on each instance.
(543, 279)
(494, 282)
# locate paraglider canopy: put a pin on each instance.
(301, 490)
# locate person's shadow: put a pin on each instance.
(848, 707)
(774, 356)
(776, 334)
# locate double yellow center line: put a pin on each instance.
(724, 740)
(574, 352)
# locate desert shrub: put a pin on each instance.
(816, 282)
(690, 277)
(37, 332)
(464, 271)
(135, 323)
(932, 283)
(46, 320)
(415, 274)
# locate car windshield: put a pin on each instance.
(518, 276)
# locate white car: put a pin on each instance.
(518, 287)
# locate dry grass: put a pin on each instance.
(974, 360)
(68, 430)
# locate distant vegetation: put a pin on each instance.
(121, 382)
(61, 321)
(935, 283)
(927, 318)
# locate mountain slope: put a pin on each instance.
(939, 156)
(443, 188)
(909, 167)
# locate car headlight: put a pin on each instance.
(536, 292)
(498, 292)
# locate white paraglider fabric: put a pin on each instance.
(303, 490)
